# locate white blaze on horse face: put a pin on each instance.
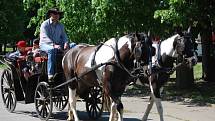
(166, 46)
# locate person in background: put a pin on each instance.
(36, 48)
(52, 38)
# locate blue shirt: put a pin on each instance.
(52, 33)
(15, 54)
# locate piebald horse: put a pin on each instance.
(177, 46)
(113, 77)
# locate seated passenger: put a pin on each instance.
(21, 51)
(33, 56)
(36, 48)
(20, 56)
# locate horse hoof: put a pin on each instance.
(144, 119)
(70, 119)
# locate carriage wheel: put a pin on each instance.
(94, 103)
(8, 90)
(43, 101)
(60, 99)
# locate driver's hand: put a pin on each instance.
(66, 46)
(22, 57)
(57, 46)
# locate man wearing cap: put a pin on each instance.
(52, 38)
(20, 56)
(21, 51)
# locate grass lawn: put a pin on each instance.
(197, 72)
(202, 93)
(9, 49)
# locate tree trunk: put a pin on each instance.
(208, 60)
(5, 46)
(0, 48)
(184, 77)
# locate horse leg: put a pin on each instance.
(113, 111)
(148, 109)
(72, 105)
(116, 108)
(117, 105)
(159, 108)
(120, 110)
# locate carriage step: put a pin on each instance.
(25, 101)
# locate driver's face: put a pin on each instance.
(55, 16)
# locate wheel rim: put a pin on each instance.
(94, 103)
(43, 101)
(8, 91)
(60, 100)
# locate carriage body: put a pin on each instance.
(24, 90)
(15, 88)
(18, 89)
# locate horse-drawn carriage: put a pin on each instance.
(37, 89)
(113, 65)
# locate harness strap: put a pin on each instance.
(94, 55)
(118, 60)
(84, 73)
(159, 60)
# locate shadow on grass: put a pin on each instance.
(201, 94)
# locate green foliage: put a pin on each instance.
(185, 13)
(41, 7)
(11, 22)
(96, 20)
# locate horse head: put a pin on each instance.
(185, 48)
(142, 48)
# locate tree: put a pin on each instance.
(206, 25)
(199, 14)
(175, 14)
(11, 22)
(91, 21)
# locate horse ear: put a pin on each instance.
(149, 33)
(189, 30)
(136, 33)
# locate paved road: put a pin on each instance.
(134, 109)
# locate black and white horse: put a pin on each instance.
(178, 45)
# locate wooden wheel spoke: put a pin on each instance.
(38, 105)
(39, 94)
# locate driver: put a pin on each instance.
(52, 38)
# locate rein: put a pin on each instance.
(118, 61)
(166, 70)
